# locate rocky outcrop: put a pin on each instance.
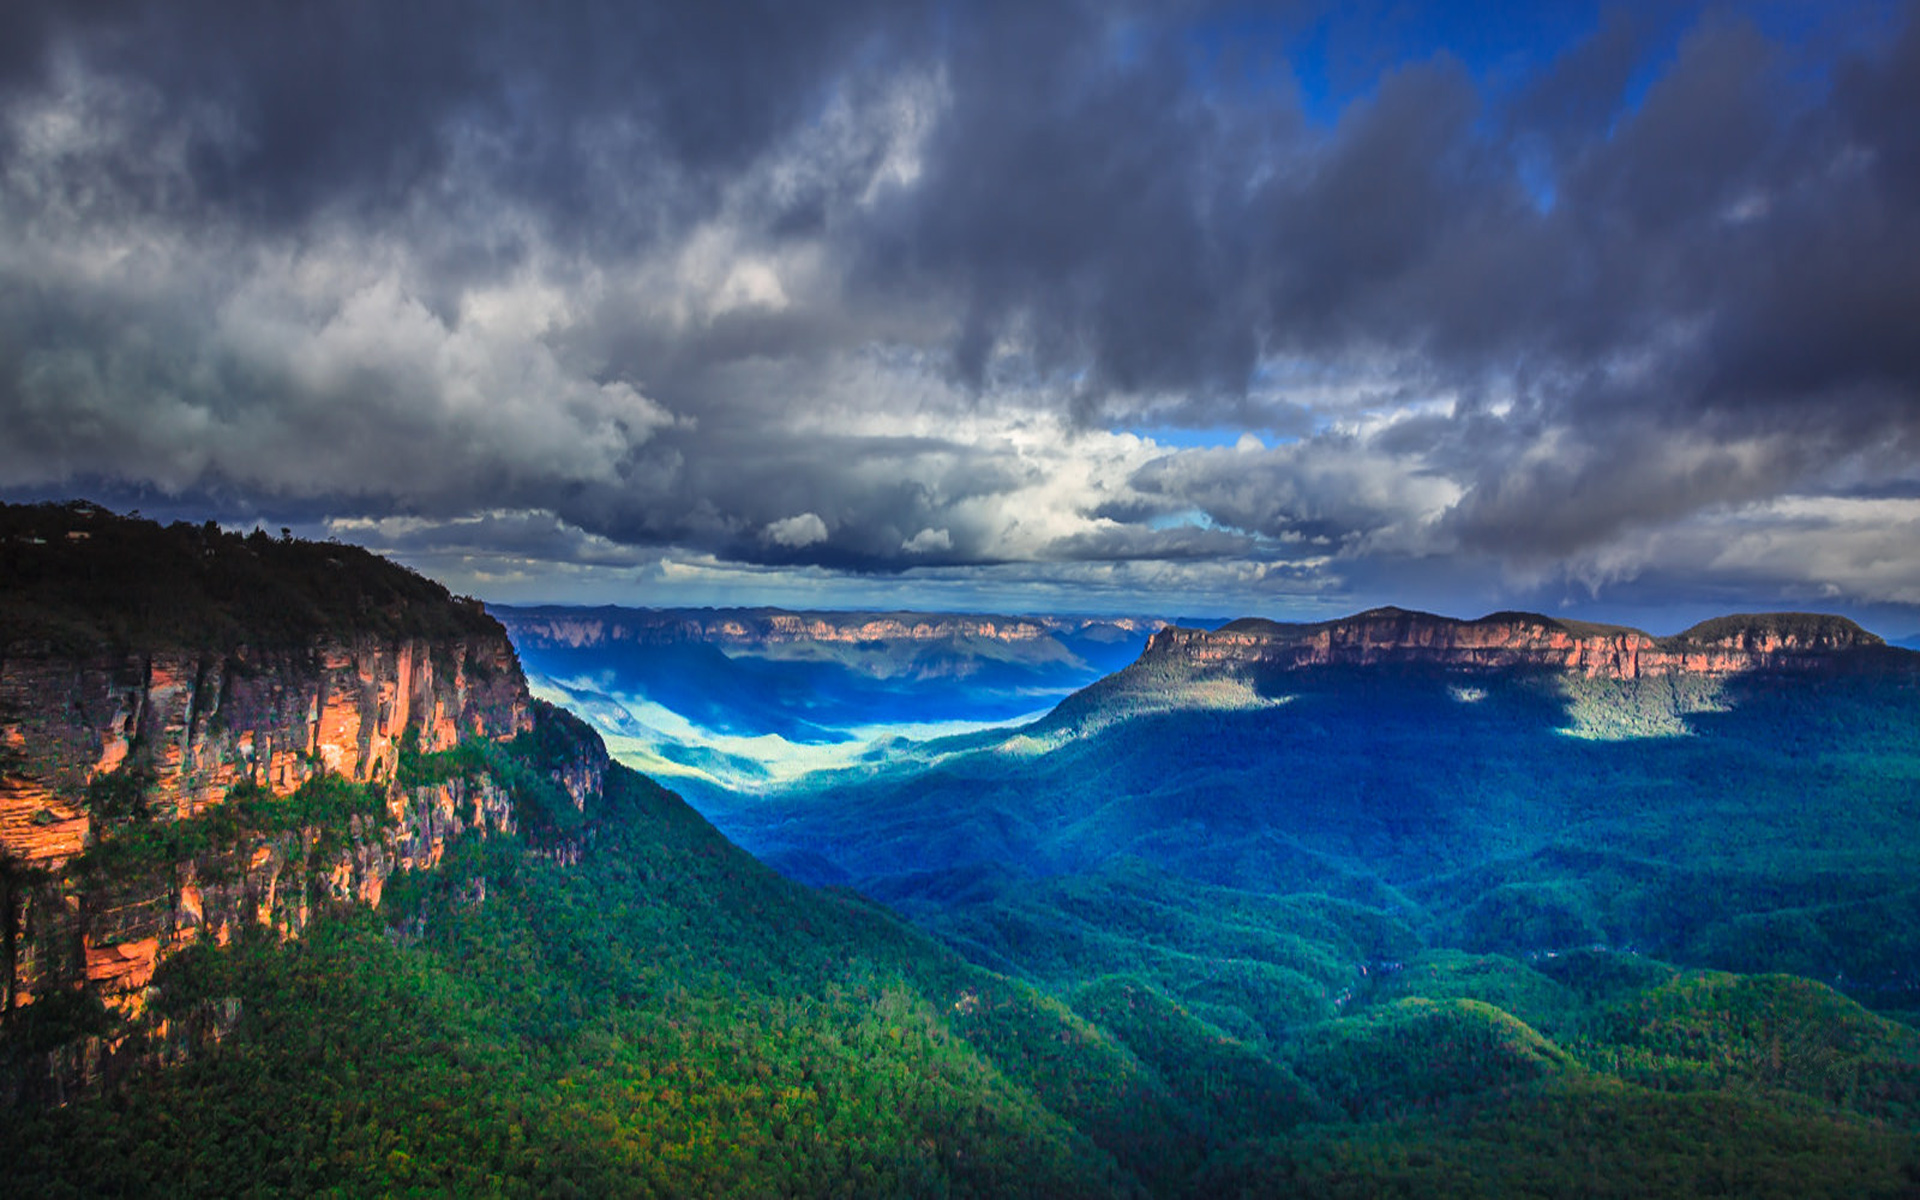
(178, 730)
(576, 758)
(1516, 641)
(107, 927)
(203, 734)
(194, 724)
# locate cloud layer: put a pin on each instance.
(1115, 304)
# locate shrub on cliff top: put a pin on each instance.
(78, 577)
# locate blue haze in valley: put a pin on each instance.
(715, 701)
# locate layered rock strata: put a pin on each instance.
(1524, 641)
(591, 627)
(149, 675)
(194, 724)
(185, 729)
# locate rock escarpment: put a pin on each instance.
(203, 734)
(1518, 641)
(193, 723)
(1634, 680)
(764, 627)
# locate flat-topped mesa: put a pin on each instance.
(1510, 640)
(1779, 633)
(577, 628)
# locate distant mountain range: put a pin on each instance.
(1503, 644)
(1510, 640)
(714, 697)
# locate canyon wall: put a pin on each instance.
(1525, 641)
(204, 735)
(743, 628)
(196, 723)
(183, 729)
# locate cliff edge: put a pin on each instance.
(1514, 640)
(1248, 662)
(204, 733)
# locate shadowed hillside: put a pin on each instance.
(1748, 797)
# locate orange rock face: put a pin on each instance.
(599, 628)
(1507, 641)
(38, 826)
(205, 723)
(122, 967)
(196, 725)
(145, 672)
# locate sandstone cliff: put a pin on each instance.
(203, 734)
(1511, 641)
(1653, 682)
(765, 627)
(195, 723)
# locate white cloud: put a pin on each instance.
(797, 532)
(927, 541)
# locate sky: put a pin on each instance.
(1276, 309)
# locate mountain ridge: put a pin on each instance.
(1502, 640)
(760, 626)
(1426, 765)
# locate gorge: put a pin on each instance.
(294, 860)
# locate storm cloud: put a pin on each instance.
(1116, 303)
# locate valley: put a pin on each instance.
(309, 890)
(734, 701)
(1295, 836)
(1741, 796)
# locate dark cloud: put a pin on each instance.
(1037, 176)
(876, 287)
(1574, 102)
(282, 110)
(1133, 543)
